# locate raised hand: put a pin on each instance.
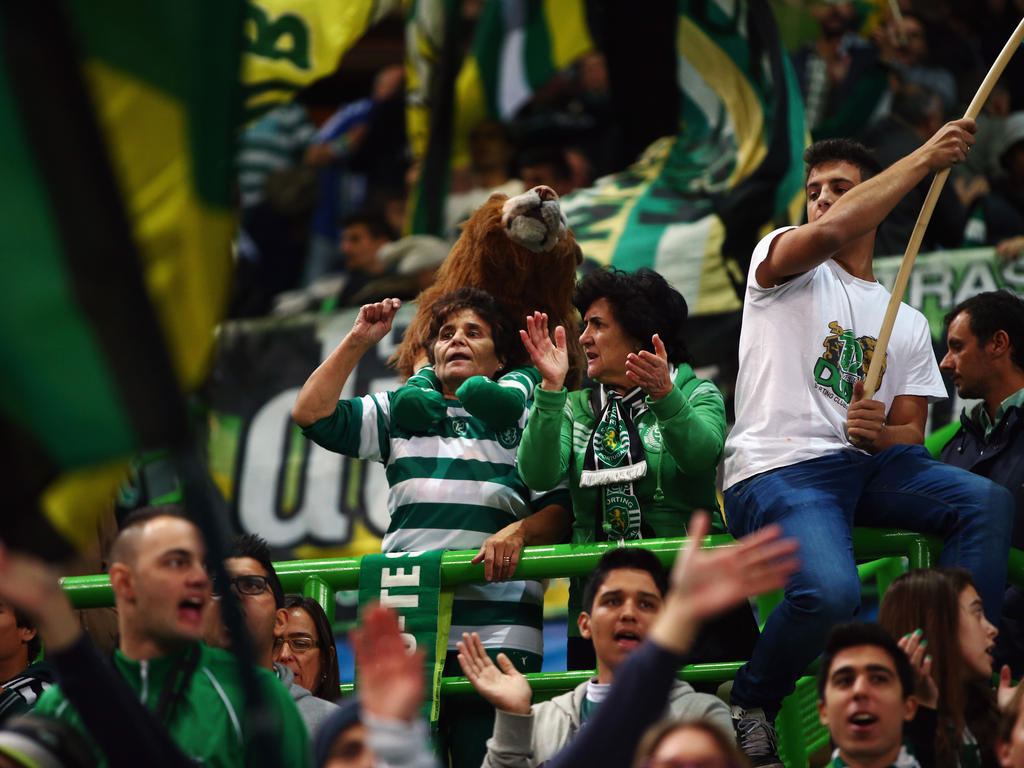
(506, 688)
(926, 690)
(374, 321)
(550, 358)
(650, 371)
(706, 582)
(31, 586)
(1005, 691)
(390, 678)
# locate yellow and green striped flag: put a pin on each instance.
(116, 136)
(287, 44)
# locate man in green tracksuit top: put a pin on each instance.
(161, 590)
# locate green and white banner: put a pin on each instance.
(410, 583)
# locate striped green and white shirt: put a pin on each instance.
(450, 488)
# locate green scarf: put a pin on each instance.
(615, 457)
(410, 583)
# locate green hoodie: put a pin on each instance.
(683, 436)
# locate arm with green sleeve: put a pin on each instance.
(546, 447)
(692, 422)
(419, 404)
(334, 424)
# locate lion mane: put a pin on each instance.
(523, 279)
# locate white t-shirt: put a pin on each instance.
(802, 346)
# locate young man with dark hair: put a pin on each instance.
(162, 591)
(985, 337)
(622, 597)
(808, 449)
(261, 597)
(865, 696)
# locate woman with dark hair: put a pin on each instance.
(641, 447)
(937, 616)
(675, 742)
(305, 644)
(455, 487)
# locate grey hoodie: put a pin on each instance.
(313, 710)
(525, 741)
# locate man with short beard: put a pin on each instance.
(985, 337)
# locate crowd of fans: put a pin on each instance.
(632, 455)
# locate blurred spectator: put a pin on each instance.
(382, 728)
(904, 47)
(411, 262)
(277, 193)
(1004, 207)
(916, 115)
(363, 234)
(573, 109)
(304, 643)
(548, 166)
(839, 73)
(491, 154)
(21, 680)
(953, 45)
(33, 741)
(343, 150)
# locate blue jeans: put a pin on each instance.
(818, 502)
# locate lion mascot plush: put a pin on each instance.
(520, 250)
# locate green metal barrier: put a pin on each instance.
(799, 730)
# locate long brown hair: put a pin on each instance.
(929, 599)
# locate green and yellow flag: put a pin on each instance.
(290, 43)
(693, 206)
(116, 136)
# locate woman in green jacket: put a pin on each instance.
(641, 448)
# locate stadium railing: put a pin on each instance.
(881, 554)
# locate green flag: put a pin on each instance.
(116, 135)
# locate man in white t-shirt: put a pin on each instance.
(809, 452)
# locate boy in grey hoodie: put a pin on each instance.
(621, 599)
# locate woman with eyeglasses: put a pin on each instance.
(688, 744)
(305, 644)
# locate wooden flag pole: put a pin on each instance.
(900, 287)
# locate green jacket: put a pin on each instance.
(683, 435)
(208, 721)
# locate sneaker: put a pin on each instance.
(756, 737)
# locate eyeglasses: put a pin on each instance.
(252, 584)
(298, 643)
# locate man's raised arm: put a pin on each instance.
(859, 207)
